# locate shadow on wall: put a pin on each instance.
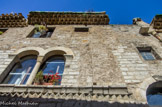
(17, 101)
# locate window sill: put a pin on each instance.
(116, 90)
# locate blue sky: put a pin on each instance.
(119, 11)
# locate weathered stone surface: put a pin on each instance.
(104, 56)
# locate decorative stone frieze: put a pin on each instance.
(80, 93)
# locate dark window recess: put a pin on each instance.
(154, 94)
(2, 31)
(148, 53)
(81, 29)
(43, 34)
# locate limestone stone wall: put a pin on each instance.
(134, 68)
(5, 59)
(104, 56)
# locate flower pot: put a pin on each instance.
(45, 83)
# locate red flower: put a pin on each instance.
(46, 76)
(57, 73)
(57, 77)
(53, 78)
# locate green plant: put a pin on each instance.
(40, 28)
(112, 25)
(85, 15)
(1, 32)
(39, 77)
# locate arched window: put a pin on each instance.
(154, 94)
(21, 71)
(54, 65)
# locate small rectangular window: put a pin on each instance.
(2, 31)
(81, 29)
(45, 33)
(148, 53)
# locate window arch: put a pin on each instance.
(54, 65)
(52, 59)
(154, 93)
(21, 71)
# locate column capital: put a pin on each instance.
(40, 59)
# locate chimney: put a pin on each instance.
(138, 21)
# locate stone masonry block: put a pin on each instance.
(118, 91)
(98, 90)
(35, 89)
(20, 89)
(6, 88)
(85, 89)
(72, 90)
(105, 90)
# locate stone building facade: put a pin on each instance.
(103, 64)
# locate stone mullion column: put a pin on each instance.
(35, 70)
